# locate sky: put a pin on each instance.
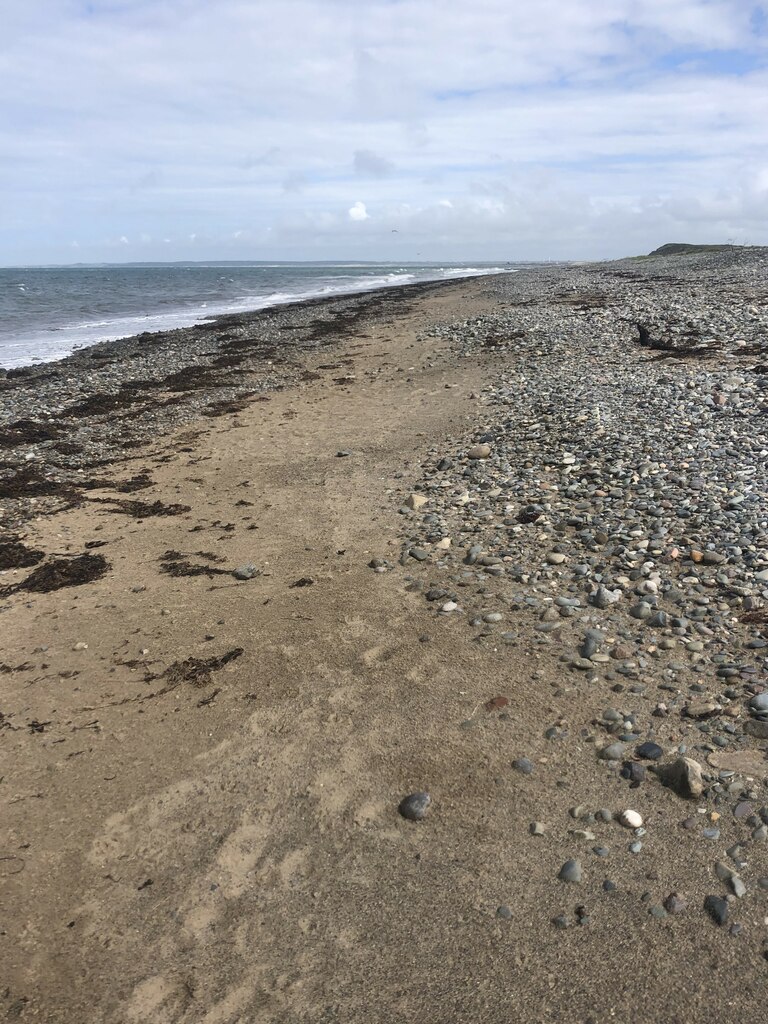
(142, 130)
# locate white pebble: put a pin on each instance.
(630, 819)
(449, 606)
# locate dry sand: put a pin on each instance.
(229, 850)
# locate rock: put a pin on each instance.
(759, 704)
(416, 501)
(702, 709)
(479, 451)
(524, 765)
(684, 776)
(504, 913)
(537, 828)
(555, 558)
(415, 806)
(641, 610)
(717, 908)
(634, 772)
(613, 752)
(630, 819)
(449, 606)
(604, 598)
(757, 729)
(733, 880)
(246, 572)
(420, 554)
(649, 751)
(570, 871)
(674, 904)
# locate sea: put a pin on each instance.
(46, 313)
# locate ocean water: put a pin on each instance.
(48, 312)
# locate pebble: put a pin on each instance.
(416, 501)
(613, 752)
(570, 871)
(674, 904)
(683, 776)
(524, 765)
(717, 908)
(759, 704)
(630, 819)
(649, 751)
(415, 806)
(479, 451)
(245, 572)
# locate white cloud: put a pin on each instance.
(358, 212)
(495, 128)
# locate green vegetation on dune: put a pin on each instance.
(684, 248)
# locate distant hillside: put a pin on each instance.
(680, 248)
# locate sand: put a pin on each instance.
(228, 849)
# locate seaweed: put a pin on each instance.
(175, 563)
(138, 482)
(15, 555)
(29, 482)
(101, 403)
(63, 572)
(193, 378)
(683, 346)
(198, 670)
(27, 432)
(225, 406)
(142, 509)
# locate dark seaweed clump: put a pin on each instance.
(198, 670)
(15, 555)
(175, 563)
(63, 572)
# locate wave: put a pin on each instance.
(53, 343)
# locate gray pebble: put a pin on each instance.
(415, 806)
(570, 871)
